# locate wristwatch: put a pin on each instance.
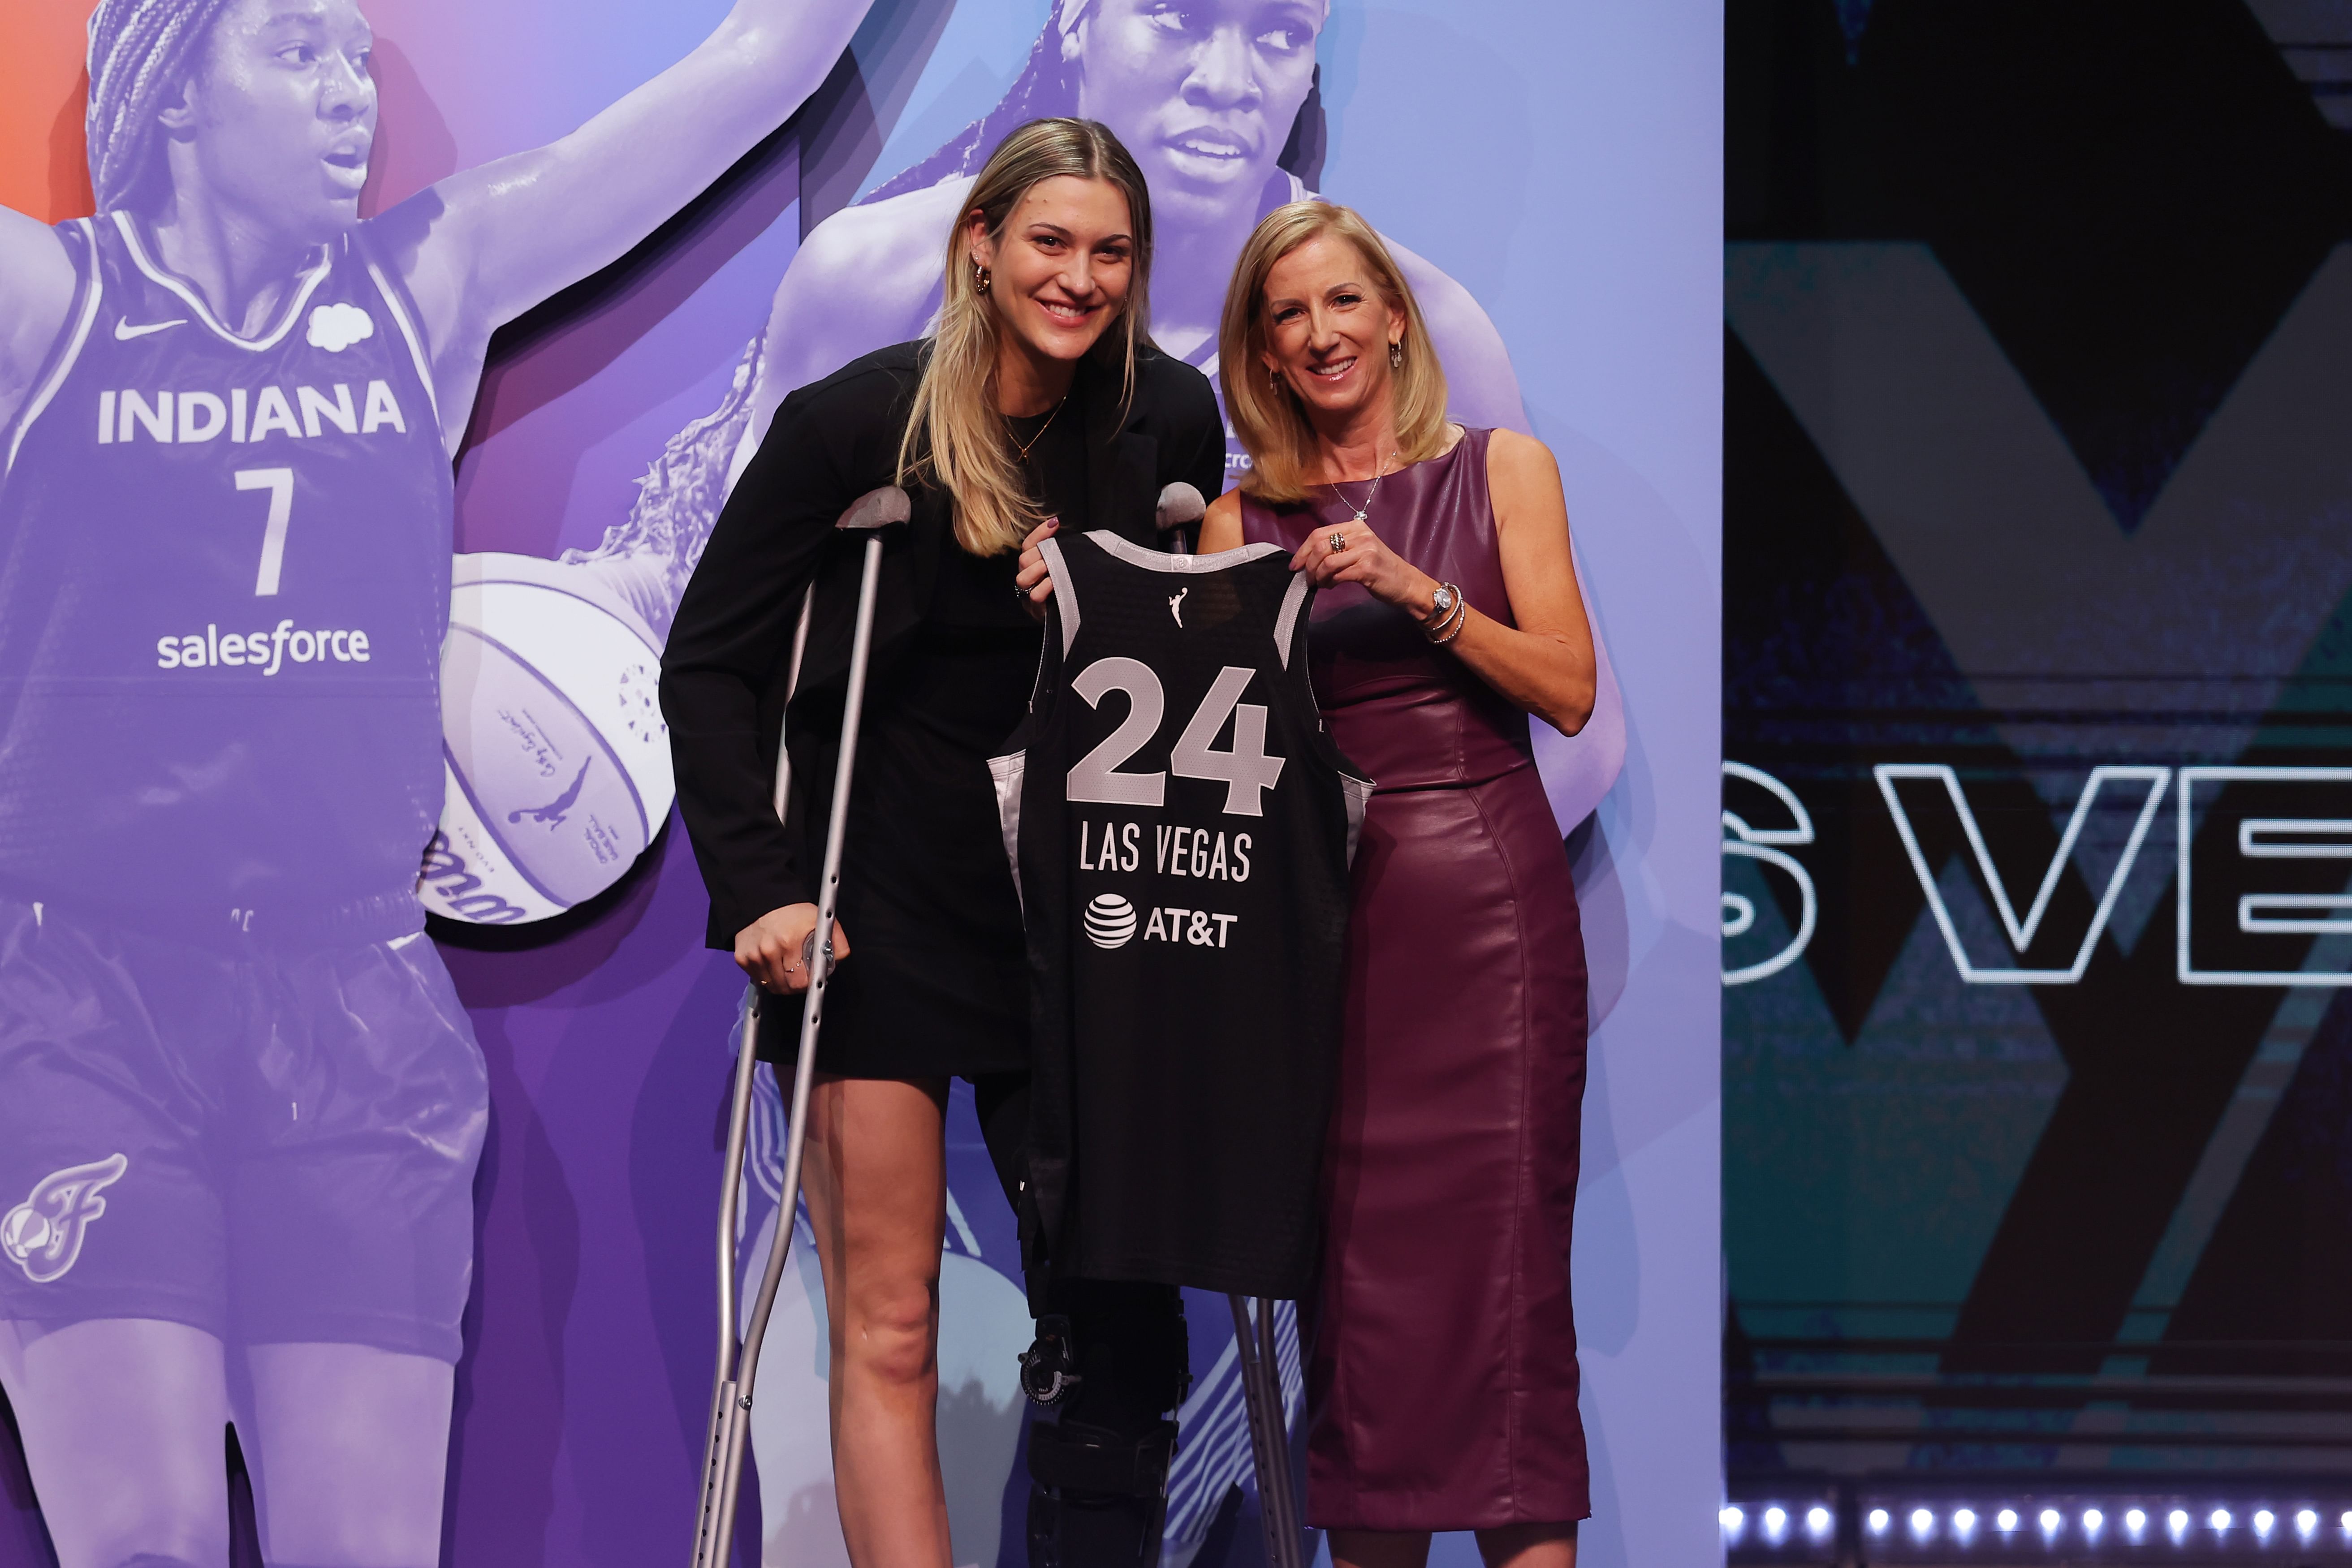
(1446, 611)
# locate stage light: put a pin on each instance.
(1818, 1520)
(1776, 1523)
(2005, 1520)
(2135, 1521)
(1878, 1521)
(2306, 1521)
(2177, 1520)
(1922, 1521)
(1733, 1518)
(2092, 1520)
(1964, 1520)
(2218, 1519)
(2347, 1520)
(2050, 1520)
(2264, 1519)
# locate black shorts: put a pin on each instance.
(273, 1147)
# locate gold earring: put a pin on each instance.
(1396, 355)
(981, 277)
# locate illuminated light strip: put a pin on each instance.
(1761, 1528)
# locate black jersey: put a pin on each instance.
(1181, 825)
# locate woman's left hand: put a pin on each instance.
(1363, 558)
(1035, 583)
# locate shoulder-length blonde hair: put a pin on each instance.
(1266, 414)
(955, 437)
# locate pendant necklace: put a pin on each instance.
(1370, 495)
(1023, 447)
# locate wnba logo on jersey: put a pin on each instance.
(189, 417)
(43, 1235)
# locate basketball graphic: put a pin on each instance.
(558, 761)
(21, 1234)
(1110, 921)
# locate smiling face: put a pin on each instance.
(1203, 93)
(278, 114)
(1326, 329)
(1061, 267)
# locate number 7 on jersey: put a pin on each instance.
(280, 482)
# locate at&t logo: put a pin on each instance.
(1110, 921)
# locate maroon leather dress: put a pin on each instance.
(1442, 1381)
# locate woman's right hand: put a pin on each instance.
(1036, 585)
(769, 949)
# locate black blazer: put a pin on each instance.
(730, 652)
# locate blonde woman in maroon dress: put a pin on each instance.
(1443, 1378)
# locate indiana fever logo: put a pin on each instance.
(43, 1235)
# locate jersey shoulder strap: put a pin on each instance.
(81, 247)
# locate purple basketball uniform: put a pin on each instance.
(226, 583)
(237, 1088)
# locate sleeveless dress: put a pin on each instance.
(1442, 1382)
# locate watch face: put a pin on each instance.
(1443, 600)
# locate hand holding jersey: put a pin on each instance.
(1037, 585)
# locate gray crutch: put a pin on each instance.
(1181, 509)
(1269, 1431)
(739, 1359)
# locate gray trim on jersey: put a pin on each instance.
(1359, 792)
(1186, 565)
(409, 335)
(1161, 560)
(49, 389)
(1006, 773)
(1291, 603)
(1065, 597)
(196, 301)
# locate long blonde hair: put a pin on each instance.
(1266, 415)
(955, 437)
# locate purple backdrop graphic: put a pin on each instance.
(1566, 194)
(239, 1090)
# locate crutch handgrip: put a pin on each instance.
(1181, 507)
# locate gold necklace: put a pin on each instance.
(1023, 448)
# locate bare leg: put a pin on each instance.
(1529, 1546)
(1379, 1548)
(123, 1421)
(875, 1174)
(353, 1447)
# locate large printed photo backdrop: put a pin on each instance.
(1552, 175)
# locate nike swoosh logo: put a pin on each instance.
(124, 331)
